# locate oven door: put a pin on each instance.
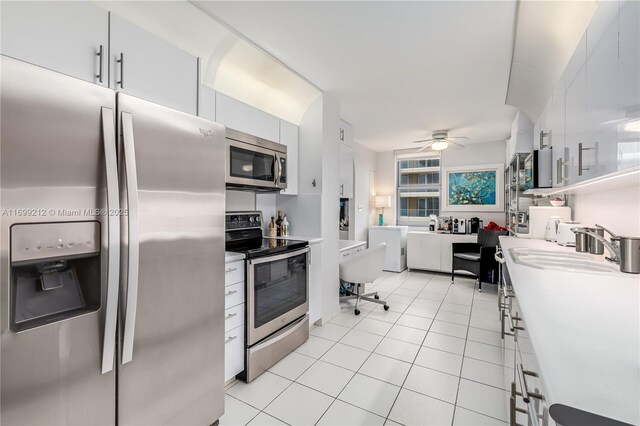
(277, 292)
(251, 165)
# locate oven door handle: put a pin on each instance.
(286, 255)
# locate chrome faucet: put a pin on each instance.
(612, 247)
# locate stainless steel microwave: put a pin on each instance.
(255, 163)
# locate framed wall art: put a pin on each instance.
(474, 188)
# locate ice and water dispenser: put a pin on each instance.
(55, 272)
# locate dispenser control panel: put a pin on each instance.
(39, 241)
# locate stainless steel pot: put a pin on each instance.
(595, 245)
(630, 255)
(582, 241)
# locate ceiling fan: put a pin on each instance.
(440, 141)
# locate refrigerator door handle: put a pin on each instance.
(132, 273)
(113, 251)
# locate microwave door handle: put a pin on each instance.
(133, 243)
(279, 170)
(113, 232)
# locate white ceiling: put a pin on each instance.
(400, 70)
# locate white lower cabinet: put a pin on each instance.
(234, 322)
(431, 251)
(345, 254)
(233, 352)
(528, 403)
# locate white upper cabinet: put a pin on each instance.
(556, 133)
(575, 115)
(245, 118)
(289, 137)
(541, 134)
(346, 171)
(207, 103)
(147, 67)
(66, 37)
(629, 85)
(346, 133)
(599, 153)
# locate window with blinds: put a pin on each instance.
(418, 189)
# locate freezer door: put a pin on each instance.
(57, 136)
(172, 278)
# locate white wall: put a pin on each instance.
(617, 210)
(237, 201)
(386, 184)
(330, 206)
(361, 206)
(476, 154)
(472, 154)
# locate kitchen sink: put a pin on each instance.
(562, 261)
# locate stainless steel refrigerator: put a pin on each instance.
(112, 264)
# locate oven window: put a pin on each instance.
(251, 165)
(280, 286)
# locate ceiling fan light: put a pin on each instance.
(440, 145)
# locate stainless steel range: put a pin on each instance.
(277, 289)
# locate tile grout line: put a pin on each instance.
(464, 350)
(365, 361)
(416, 356)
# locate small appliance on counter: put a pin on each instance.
(474, 224)
(538, 170)
(277, 291)
(565, 236)
(539, 217)
(551, 231)
(459, 226)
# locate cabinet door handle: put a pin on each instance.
(513, 322)
(543, 135)
(342, 134)
(526, 393)
(229, 293)
(560, 164)
(99, 55)
(230, 316)
(342, 189)
(581, 167)
(121, 62)
(230, 339)
(230, 269)
(513, 409)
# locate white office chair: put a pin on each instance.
(362, 268)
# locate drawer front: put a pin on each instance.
(233, 295)
(234, 272)
(233, 352)
(233, 317)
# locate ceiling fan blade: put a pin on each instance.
(457, 145)
(423, 140)
(424, 147)
(458, 137)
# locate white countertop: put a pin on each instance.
(230, 256)
(310, 240)
(585, 331)
(349, 244)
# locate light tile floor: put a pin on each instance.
(435, 358)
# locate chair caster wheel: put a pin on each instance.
(386, 307)
(376, 297)
(357, 312)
